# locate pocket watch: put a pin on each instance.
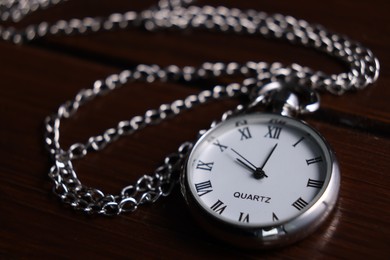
(262, 179)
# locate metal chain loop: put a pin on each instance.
(148, 188)
(180, 15)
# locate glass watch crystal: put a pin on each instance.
(262, 172)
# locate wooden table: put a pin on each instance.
(36, 78)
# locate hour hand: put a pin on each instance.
(249, 167)
(258, 173)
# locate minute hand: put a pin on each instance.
(269, 155)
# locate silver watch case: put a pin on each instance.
(262, 237)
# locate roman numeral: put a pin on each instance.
(245, 133)
(274, 217)
(218, 207)
(315, 184)
(314, 160)
(205, 166)
(220, 146)
(243, 217)
(273, 132)
(300, 140)
(203, 188)
(299, 204)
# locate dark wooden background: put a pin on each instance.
(36, 78)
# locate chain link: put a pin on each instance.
(148, 188)
(364, 67)
(180, 15)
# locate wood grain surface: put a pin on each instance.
(36, 78)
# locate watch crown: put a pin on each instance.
(285, 98)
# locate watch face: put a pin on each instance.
(259, 170)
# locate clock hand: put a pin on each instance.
(257, 172)
(245, 164)
(246, 160)
(269, 156)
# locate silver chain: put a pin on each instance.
(176, 14)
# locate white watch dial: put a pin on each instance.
(258, 170)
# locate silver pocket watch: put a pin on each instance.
(261, 179)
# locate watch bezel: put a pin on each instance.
(271, 235)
